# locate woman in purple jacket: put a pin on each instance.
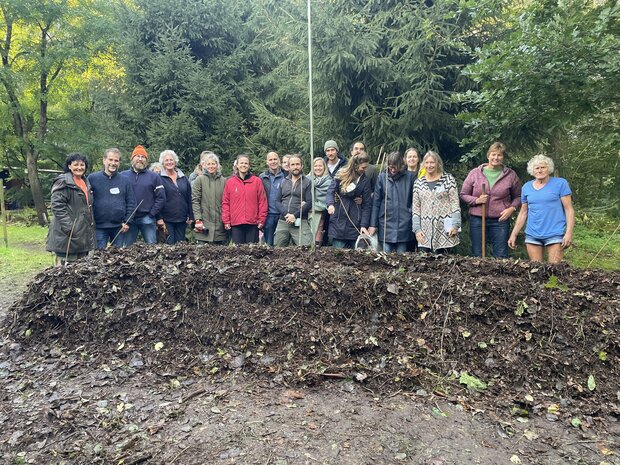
(499, 188)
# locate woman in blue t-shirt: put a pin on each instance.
(548, 210)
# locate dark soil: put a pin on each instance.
(251, 355)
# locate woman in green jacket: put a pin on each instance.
(207, 190)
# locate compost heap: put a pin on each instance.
(484, 332)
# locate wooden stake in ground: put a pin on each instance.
(484, 225)
(4, 220)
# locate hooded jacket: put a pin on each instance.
(244, 201)
(73, 216)
(341, 162)
(207, 193)
(394, 221)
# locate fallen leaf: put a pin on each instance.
(293, 394)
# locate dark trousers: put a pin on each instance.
(497, 234)
(269, 230)
(176, 232)
(245, 234)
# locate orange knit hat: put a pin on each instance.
(139, 150)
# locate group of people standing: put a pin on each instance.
(411, 204)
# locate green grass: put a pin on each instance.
(25, 253)
(588, 240)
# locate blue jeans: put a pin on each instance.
(176, 232)
(269, 230)
(144, 225)
(497, 234)
(105, 235)
(398, 247)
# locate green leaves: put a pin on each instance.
(554, 283)
(472, 382)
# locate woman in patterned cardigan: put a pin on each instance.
(436, 209)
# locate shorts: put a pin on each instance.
(543, 242)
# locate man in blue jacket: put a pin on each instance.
(272, 178)
(113, 201)
(150, 197)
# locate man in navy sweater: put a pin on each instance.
(113, 201)
(150, 197)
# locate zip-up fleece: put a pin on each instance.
(506, 192)
(290, 197)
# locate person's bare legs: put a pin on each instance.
(535, 252)
(555, 253)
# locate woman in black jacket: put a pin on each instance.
(72, 229)
(177, 212)
(349, 203)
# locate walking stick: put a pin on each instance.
(126, 222)
(69, 242)
(484, 226)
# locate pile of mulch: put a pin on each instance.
(499, 334)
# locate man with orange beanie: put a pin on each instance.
(150, 198)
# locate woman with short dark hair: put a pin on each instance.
(72, 229)
(391, 205)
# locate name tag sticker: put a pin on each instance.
(115, 190)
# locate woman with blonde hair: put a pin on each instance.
(547, 211)
(207, 193)
(436, 209)
(348, 219)
(320, 182)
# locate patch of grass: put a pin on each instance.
(588, 240)
(26, 251)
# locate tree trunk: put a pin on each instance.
(35, 186)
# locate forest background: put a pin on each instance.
(232, 77)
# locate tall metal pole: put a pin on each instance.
(310, 80)
(4, 219)
(313, 245)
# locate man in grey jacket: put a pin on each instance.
(294, 201)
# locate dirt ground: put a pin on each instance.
(206, 355)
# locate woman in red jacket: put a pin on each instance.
(244, 204)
